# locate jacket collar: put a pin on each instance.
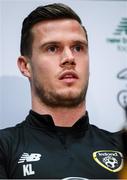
(39, 121)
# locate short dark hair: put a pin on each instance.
(42, 13)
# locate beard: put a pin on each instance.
(52, 98)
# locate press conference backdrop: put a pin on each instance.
(106, 23)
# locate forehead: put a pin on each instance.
(57, 29)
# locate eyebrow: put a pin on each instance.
(85, 43)
(49, 43)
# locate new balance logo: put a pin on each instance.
(29, 157)
(27, 168)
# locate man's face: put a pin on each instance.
(59, 63)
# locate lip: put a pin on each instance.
(68, 76)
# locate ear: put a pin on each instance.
(24, 66)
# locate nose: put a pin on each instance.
(68, 59)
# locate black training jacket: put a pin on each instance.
(37, 149)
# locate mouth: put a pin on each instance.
(68, 76)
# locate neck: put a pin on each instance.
(62, 116)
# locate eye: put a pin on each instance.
(80, 48)
(52, 48)
(77, 48)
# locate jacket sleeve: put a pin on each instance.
(3, 163)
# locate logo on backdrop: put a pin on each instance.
(122, 94)
(119, 36)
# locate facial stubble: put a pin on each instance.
(53, 99)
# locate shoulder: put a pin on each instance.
(9, 139)
(103, 131)
(10, 134)
(107, 136)
(11, 129)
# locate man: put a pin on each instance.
(56, 140)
